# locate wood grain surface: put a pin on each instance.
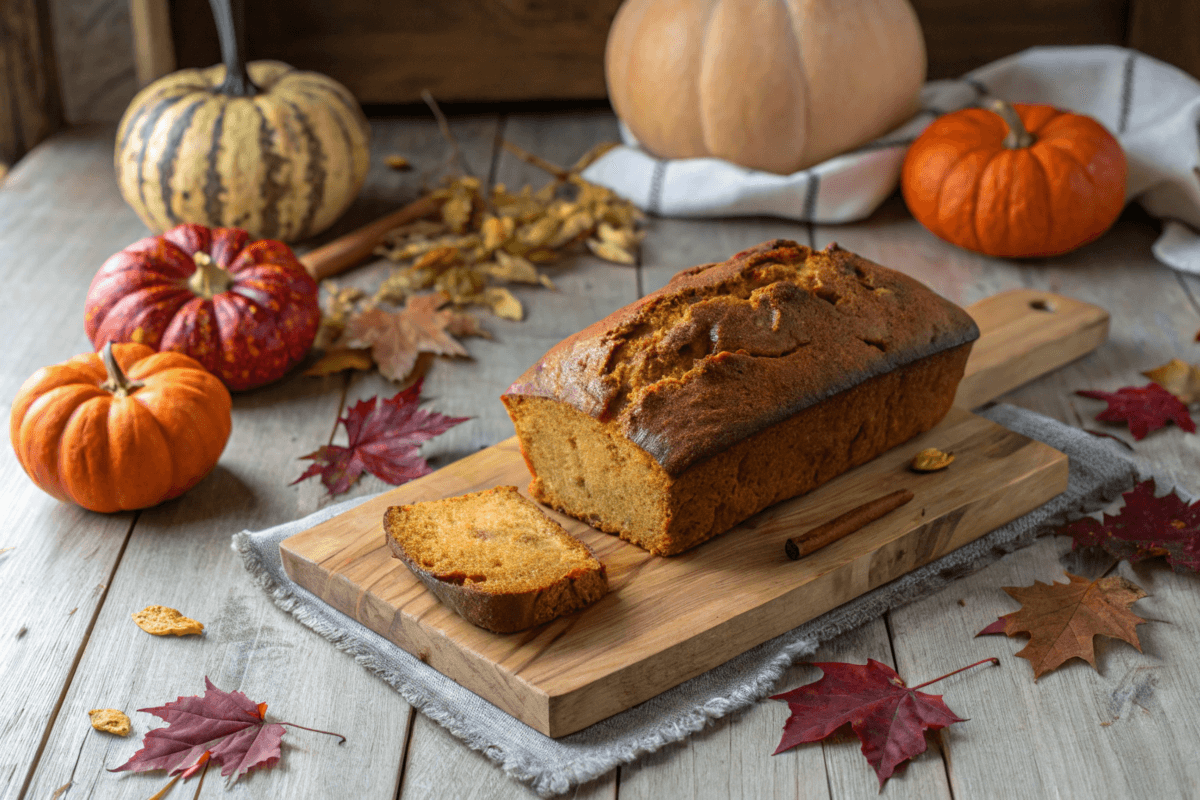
(645, 637)
(1126, 729)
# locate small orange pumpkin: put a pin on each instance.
(1015, 181)
(123, 429)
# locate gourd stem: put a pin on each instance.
(231, 31)
(118, 383)
(209, 279)
(1018, 136)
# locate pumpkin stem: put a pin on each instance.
(209, 279)
(1018, 135)
(230, 18)
(118, 383)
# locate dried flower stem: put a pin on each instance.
(444, 127)
(537, 161)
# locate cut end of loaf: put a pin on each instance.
(495, 558)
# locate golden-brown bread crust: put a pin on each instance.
(736, 386)
(727, 350)
(504, 611)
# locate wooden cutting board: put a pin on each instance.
(666, 620)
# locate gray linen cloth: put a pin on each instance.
(1098, 473)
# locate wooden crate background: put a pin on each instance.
(77, 61)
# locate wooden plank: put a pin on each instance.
(961, 35)
(179, 555)
(93, 47)
(1015, 347)
(644, 637)
(153, 48)
(1088, 737)
(732, 758)
(30, 109)
(56, 576)
(1167, 30)
(499, 50)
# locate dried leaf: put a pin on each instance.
(503, 303)
(931, 460)
(1179, 378)
(438, 258)
(459, 283)
(384, 438)
(538, 232)
(889, 718)
(395, 338)
(1146, 527)
(225, 727)
(163, 621)
(341, 358)
(625, 238)
(496, 231)
(462, 325)
(610, 252)
(399, 163)
(1146, 409)
(514, 269)
(1062, 619)
(109, 720)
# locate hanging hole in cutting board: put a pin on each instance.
(1042, 305)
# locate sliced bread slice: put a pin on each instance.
(495, 558)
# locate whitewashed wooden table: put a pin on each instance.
(72, 578)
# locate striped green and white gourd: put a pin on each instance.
(278, 151)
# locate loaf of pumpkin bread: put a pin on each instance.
(495, 558)
(737, 385)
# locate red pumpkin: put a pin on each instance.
(248, 311)
(1016, 181)
(123, 430)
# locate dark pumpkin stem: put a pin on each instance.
(118, 383)
(231, 30)
(1018, 136)
(209, 279)
(993, 661)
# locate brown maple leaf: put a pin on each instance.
(1179, 378)
(395, 338)
(1063, 618)
(1146, 409)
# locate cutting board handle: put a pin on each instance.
(1024, 334)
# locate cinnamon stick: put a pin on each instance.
(854, 519)
(345, 251)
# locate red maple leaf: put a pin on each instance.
(889, 718)
(1146, 409)
(1147, 526)
(225, 727)
(384, 439)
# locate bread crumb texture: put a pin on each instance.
(495, 558)
(736, 386)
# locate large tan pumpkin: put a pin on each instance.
(282, 161)
(776, 85)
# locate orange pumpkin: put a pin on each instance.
(123, 429)
(1016, 181)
